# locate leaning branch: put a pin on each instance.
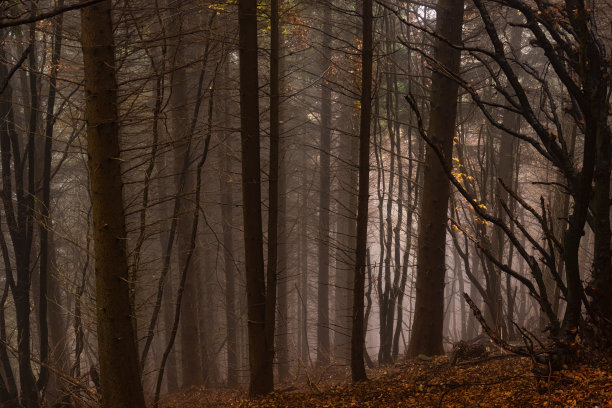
(478, 315)
(10, 22)
(23, 57)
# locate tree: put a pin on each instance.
(323, 341)
(431, 256)
(260, 365)
(568, 37)
(119, 373)
(358, 330)
(182, 143)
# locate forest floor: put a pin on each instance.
(501, 382)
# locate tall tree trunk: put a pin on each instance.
(207, 318)
(282, 347)
(227, 203)
(358, 331)
(119, 373)
(426, 335)
(260, 366)
(303, 256)
(323, 340)
(164, 188)
(505, 171)
(185, 182)
(50, 288)
(273, 192)
(346, 234)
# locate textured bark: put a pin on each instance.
(119, 373)
(358, 331)
(260, 366)
(431, 257)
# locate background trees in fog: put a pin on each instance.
(337, 149)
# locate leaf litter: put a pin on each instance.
(503, 381)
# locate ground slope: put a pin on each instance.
(501, 382)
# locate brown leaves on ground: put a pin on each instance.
(503, 382)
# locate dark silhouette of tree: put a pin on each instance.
(431, 258)
(260, 363)
(358, 330)
(118, 356)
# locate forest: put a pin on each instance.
(305, 203)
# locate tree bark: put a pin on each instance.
(427, 328)
(261, 374)
(119, 373)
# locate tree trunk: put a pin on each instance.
(273, 192)
(261, 381)
(323, 340)
(358, 331)
(303, 256)
(119, 373)
(426, 335)
(346, 234)
(227, 217)
(185, 182)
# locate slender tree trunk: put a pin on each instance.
(283, 276)
(358, 332)
(185, 182)
(426, 335)
(323, 339)
(50, 293)
(118, 355)
(347, 179)
(412, 197)
(165, 187)
(273, 192)
(303, 256)
(227, 202)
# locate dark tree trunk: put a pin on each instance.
(260, 365)
(118, 355)
(273, 192)
(426, 335)
(358, 331)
